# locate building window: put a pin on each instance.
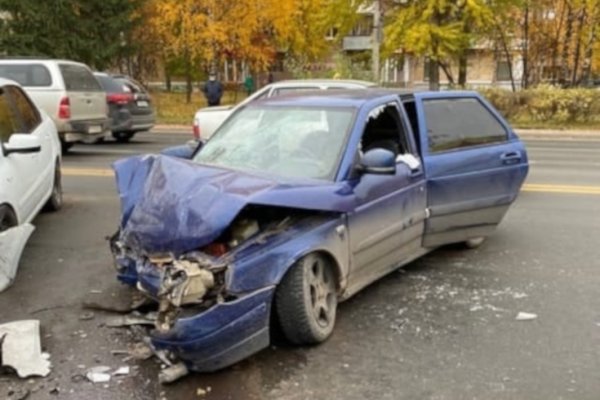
(502, 71)
(331, 33)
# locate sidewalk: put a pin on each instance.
(527, 134)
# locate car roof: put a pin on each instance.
(332, 98)
(40, 60)
(322, 82)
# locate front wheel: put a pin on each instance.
(306, 300)
(123, 137)
(56, 197)
(7, 218)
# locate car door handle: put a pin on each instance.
(512, 157)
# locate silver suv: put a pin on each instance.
(67, 91)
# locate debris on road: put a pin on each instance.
(21, 348)
(525, 316)
(141, 351)
(12, 243)
(86, 316)
(132, 319)
(99, 374)
(173, 373)
(121, 371)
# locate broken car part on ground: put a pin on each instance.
(265, 225)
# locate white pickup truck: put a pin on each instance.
(208, 119)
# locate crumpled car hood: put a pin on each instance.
(173, 205)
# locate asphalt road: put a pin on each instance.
(442, 328)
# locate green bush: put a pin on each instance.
(547, 106)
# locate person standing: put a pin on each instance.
(213, 90)
(249, 84)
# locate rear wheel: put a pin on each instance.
(65, 146)
(306, 300)
(8, 219)
(123, 137)
(55, 201)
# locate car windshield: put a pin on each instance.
(291, 142)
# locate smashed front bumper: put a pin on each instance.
(222, 335)
(212, 333)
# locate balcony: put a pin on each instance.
(357, 43)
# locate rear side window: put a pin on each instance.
(109, 84)
(460, 122)
(31, 75)
(131, 85)
(8, 122)
(29, 116)
(79, 79)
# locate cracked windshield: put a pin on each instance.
(290, 142)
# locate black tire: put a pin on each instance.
(8, 219)
(65, 146)
(123, 137)
(55, 201)
(306, 300)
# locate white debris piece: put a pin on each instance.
(525, 316)
(121, 371)
(22, 350)
(99, 374)
(12, 243)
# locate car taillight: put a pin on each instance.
(64, 108)
(119, 98)
(196, 131)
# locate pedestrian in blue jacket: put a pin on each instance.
(213, 90)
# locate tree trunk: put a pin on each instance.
(567, 42)
(462, 69)
(586, 74)
(188, 79)
(448, 72)
(582, 18)
(556, 43)
(525, 78)
(508, 56)
(434, 75)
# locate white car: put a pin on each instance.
(208, 119)
(67, 91)
(30, 178)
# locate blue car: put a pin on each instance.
(297, 203)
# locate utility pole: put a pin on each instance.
(376, 41)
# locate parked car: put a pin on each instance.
(208, 119)
(297, 203)
(129, 104)
(67, 91)
(30, 174)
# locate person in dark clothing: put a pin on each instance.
(213, 90)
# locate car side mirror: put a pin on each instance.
(22, 143)
(185, 151)
(378, 161)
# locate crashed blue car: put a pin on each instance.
(296, 203)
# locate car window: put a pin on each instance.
(29, 115)
(131, 85)
(383, 130)
(287, 90)
(460, 122)
(8, 122)
(291, 142)
(79, 79)
(109, 84)
(32, 75)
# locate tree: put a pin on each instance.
(440, 30)
(83, 30)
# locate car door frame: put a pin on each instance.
(406, 232)
(460, 207)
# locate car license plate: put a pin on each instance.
(142, 103)
(95, 129)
